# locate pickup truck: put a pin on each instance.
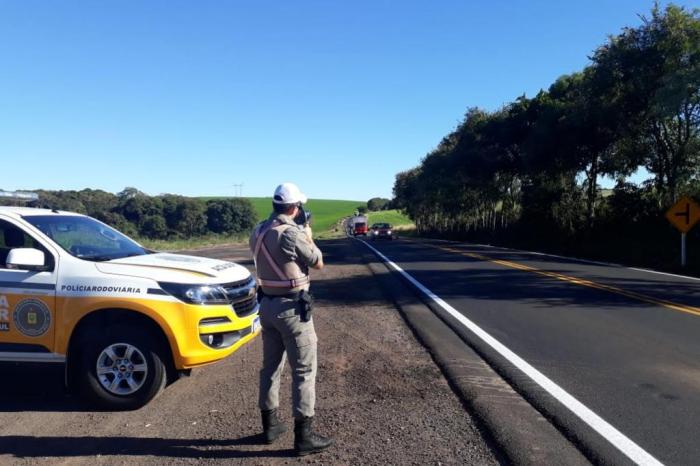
(124, 320)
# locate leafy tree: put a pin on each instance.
(136, 208)
(129, 192)
(97, 201)
(154, 227)
(378, 203)
(230, 215)
(60, 200)
(171, 203)
(657, 66)
(192, 219)
(531, 169)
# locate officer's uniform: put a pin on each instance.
(283, 254)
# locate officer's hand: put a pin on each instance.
(307, 230)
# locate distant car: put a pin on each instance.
(382, 231)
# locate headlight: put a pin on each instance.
(388, 232)
(375, 232)
(196, 294)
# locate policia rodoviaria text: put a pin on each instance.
(283, 251)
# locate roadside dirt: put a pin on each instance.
(379, 394)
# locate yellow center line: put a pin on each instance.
(579, 281)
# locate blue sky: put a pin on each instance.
(194, 97)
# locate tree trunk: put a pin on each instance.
(592, 191)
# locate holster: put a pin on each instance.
(305, 305)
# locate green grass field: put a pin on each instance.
(325, 216)
(325, 213)
(192, 243)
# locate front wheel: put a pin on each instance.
(121, 368)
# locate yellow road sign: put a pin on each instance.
(684, 214)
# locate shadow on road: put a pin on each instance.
(22, 446)
(659, 286)
(35, 387)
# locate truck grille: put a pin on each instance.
(242, 295)
(246, 307)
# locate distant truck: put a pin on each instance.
(357, 225)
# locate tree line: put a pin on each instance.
(529, 172)
(166, 216)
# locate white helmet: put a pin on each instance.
(288, 193)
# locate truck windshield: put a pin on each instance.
(86, 238)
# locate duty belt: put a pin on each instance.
(293, 283)
(294, 296)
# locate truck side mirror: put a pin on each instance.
(26, 259)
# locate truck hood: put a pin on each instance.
(176, 268)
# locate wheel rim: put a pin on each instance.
(121, 369)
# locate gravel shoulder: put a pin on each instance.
(379, 394)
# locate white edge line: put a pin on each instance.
(630, 449)
(664, 273)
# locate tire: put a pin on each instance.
(135, 376)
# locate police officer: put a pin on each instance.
(283, 251)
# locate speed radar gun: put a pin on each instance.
(303, 217)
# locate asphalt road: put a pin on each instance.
(625, 343)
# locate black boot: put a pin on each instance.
(305, 440)
(272, 427)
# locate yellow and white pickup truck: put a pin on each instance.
(123, 319)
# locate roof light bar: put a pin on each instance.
(19, 195)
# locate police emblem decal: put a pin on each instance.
(32, 317)
(4, 314)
